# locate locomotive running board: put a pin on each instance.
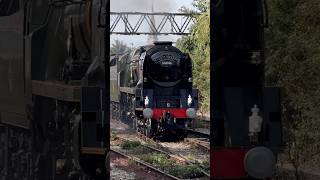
(93, 150)
(56, 90)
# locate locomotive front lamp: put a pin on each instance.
(189, 100)
(255, 124)
(146, 101)
(255, 121)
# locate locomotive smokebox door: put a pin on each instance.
(93, 122)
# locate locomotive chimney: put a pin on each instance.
(152, 37)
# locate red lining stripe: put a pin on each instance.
(175, 112)
(228, 163)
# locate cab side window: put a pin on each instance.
(8, 7)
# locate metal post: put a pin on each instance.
(147, 20)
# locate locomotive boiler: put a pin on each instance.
(52, 89)
(152, 90)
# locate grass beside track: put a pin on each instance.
(170, 166)
(161, 161)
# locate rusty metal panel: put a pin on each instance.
(127, 90)
(56, 90)
(90, 150)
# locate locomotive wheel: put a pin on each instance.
(55, 138)
(140, 128)
(15, 153)
(44, 150)
(148, 129)
(94, 166)
(182, 134)
(115, 111)
(136, 125)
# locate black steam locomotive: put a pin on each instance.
(246, 128)
(52, 89)
(151, 89)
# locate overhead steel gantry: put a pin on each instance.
(136, 23)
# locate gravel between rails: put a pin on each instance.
(182, 150)
(148, 166)
(122, 169)
(187, 157)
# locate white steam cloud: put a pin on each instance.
(142, 5)
(170, 6)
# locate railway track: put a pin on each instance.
(141, 163)
(157, 147)
(198, 139)
(202, 143)
(182, 151)
(195, 133)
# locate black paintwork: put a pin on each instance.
(60, 42)
(238, 75)
(166, 71)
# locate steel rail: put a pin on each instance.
(197, 133)
(144, 164)
(167, 152)
(201, 142)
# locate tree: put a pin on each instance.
(293, 63)
(119, 47)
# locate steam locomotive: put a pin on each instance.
(246, 128)
(52, 120)
(151, 90)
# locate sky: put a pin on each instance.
(145, 6)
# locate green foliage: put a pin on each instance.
(159, 160)
(130, 144)
(113, 136)
(198, 47)
(119, 47)
(168, 165)
(293, 63)
(206, 165)
(131, 162)
(200, 5)
(186, 171)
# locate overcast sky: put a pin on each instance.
(145, 6)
